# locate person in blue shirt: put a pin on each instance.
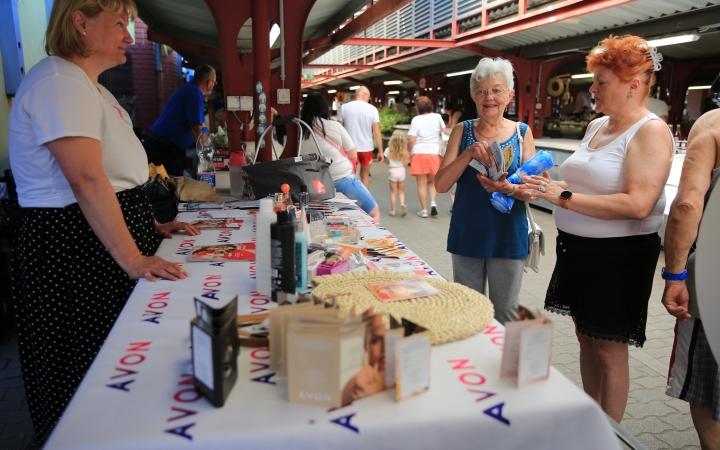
(180, 123)
(488, 246)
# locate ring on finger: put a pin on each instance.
(541, 189)
(543, 183)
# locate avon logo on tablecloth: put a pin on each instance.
(127, 367)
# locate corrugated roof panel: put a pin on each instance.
(442, 12)
(612, 17)
(406, 21)
(422, 16)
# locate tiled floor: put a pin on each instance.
(658, 421)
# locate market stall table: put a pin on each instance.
(139, 393)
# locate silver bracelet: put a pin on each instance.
(511, 192)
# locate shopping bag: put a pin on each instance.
(536, 243)
(312, 171)
(161, 195)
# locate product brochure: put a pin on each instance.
(224, 252)
(229, 213)
(333, 361)
(495, 171)
(527, 350)
(412, 365)
(401, 290)
(199, 206)
(402, 266)
(217, 223)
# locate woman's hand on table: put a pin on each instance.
(165, 230)
(543, 187)
(153, 268)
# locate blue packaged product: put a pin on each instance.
(534, 166)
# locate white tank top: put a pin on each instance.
(600, 172)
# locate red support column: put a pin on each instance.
(237, 77)
(681, 76)
(296, 13)
(261, 70)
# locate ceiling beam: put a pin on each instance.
(338, 19)
(676, 23)
(338, 66)
(439, 43)
(563, 11)
(181, 45)
(371, 16)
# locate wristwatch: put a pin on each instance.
(565, 197)
(673, 276)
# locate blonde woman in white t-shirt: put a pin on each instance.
(86, 231)
(397, 156)
(424, 146)
(608, 209)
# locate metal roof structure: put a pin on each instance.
(448, 23)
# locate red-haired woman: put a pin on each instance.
(609, 208)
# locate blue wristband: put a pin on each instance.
(673, 276)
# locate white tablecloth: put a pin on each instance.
(139, 394)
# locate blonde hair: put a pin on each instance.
(398, 147)
(61, 36)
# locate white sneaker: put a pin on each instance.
(423, 213)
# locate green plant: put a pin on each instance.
(389, 118)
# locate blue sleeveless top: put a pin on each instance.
(477, 229)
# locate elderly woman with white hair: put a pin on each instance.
(488, 247)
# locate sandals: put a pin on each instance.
(423, 213)
(403, 211)
(391, 213)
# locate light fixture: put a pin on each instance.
(353, 88)
(304, 95)
(438, 88)
(274, 34)
(672, 40)
(393, 92)
(429, 89)
(455, 74)
(698, 88)
(391, 82)
(332, 91)
(581, 75)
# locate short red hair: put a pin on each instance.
(627, 57)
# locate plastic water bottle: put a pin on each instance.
(205, 150)
(264, 218)
(237, 174)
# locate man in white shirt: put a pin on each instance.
(362, 122)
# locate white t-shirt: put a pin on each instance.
(55, 100)
(358, 118)
(341, 166)
(601, 172)
(656, 106)
(392, 162)
(426, 129)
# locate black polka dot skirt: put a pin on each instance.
(68, 292)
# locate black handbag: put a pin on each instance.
(312, 170)
(161, 195)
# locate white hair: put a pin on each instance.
(489, 68)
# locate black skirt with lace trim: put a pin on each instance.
(605, 284)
